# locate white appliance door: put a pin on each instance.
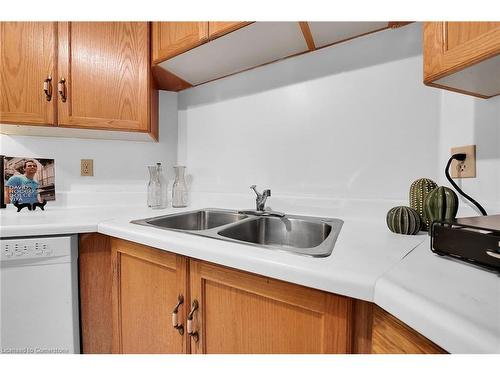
(38, 312)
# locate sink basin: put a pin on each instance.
(282, 232)
(196, 220)
(304, 235)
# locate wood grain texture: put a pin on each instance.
(217, 29)
(146, 286)
(95, 293)
(106, 67)
(452, 46)
(168, 81)
(173, 38)
(458, 33)
(304, 26)
(154, 97)
(246, 313)
(362, 327)
(391, 336)
(27, 58)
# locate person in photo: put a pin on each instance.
(23, 188)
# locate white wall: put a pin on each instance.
(466, 120)
(353, 120)
(118, 165)
(350, 121)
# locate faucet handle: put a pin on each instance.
(266, 193)
(253, 187)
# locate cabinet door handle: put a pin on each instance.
(61, 88)
(175, 319)
(47, 88)
(193, 334)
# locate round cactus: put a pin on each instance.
(440, 204)
(404, 220)
(419, 189)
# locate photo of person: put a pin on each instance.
(28, 180)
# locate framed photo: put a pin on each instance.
(28, 180)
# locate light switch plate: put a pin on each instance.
(466, 168)
(86, 167)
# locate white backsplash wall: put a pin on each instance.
(350, 121)
(466, 120)
(119, 166)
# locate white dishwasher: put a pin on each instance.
(39, 295)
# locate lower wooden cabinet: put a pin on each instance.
(241, 312)
(223, 310)
(146, 286)
(392, 336)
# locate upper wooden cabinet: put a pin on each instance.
(100, 79)
(172, 38)
(104, 66)
(28, 72)
(182, 59)
(463, 57)
(217, 29)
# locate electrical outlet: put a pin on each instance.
(86, 167)
(466, 168)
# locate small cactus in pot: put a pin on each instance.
(403, 220)
(440, 204)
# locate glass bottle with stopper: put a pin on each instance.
(157, 197)
(179, 189)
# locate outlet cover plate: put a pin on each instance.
(86, 167)
(467, 168)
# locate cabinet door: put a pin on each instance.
(106, 70)
(27, 60)
(241, 312)
(146, 285)
(95, 280)
(217, 29)
(391, 336)
(463, 56)
(173, 38)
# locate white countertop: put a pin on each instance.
(455, 305)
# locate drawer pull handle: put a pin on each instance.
(47, 88)
(175, 319)
(61, 88)
(193, 334)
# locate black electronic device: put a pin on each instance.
(473, 239)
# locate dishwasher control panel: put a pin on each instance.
(32, 248)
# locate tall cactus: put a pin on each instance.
(419, 189)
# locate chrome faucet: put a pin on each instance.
(261, 204)
(260, 201)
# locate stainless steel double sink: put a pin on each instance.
(304, 235)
